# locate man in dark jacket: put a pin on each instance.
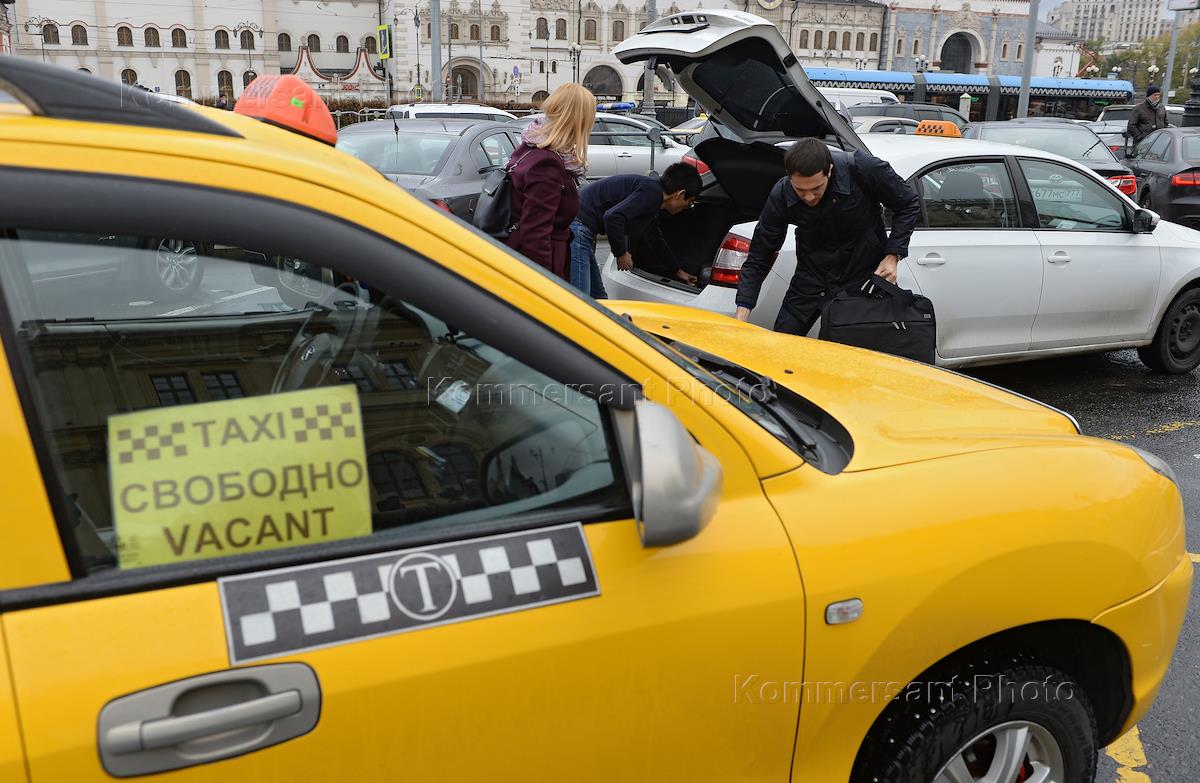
(627, 206)
(1148, 116)
(835, 200)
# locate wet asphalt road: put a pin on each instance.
(1114, 396)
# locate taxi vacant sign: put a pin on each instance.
(223, 478)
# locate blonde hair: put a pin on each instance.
(570, 113)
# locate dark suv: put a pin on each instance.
(913, 111)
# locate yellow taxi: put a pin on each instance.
(377, 500)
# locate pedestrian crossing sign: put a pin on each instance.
(384, 34)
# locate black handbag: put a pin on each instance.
(493, 211)
(883, 317)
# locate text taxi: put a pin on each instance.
(381, 501)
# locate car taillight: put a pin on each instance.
(692, 160)
(1117, 147)
(727, 266)
(437, 202)
(1126, 183)
(1186, 179)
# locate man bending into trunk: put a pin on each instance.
(835, 201)
(627, 206)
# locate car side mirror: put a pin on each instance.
(674, 482)
(1145, 221)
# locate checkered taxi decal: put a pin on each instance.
(295, 609)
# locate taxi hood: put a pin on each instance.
(740, 70)
(896, 411)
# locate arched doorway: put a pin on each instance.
(958, 54)
(464, 82)
(539, 96)
(604, 82)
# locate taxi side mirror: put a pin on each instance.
(674, 482)
(1145, 221)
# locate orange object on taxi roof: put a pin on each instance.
(938, 128)
(286, 101)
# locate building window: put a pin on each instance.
(618, 31)
(400, 376)
(899, 46)
(49, 34)
(172, 389)
(589, 30)
(543, 29)
(222, 385)
(832, 39)
(179, 38)
(394, 478)
(474, 32)
(874, 42)
(285, 42)
(803, 40)
(1020, 51)
(247, 40)
(371, 46)
(352, 373)
(428, 31)
(151, 36)
(541, 66)
(916, 47)
(845, 42)
(79, 35)
(124, 36)
(225, 84)
(1004, 51)
(560, 29)
(129, 77)
(554, 66)
(495, 32)
(221, 39)
(343, 44)
(860, 42)
(453, 31)
(456, 470)
(818, 39)
(248, 77)
(183, 84)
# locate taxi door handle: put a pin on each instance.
(207, 718)
(624, 154)
(1059, 257)
(931, 259)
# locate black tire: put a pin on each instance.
(1176, 345)
(175, 269)
(954, 722)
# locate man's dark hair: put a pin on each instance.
(807, 157)
(681, 176)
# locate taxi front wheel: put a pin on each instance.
(1027, 723)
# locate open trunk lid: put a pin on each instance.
(737, 66)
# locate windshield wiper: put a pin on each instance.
(1089, 149)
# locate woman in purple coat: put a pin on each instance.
(546, 170)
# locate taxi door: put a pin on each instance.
(349, 515)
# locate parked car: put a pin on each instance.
(507, 527)
(912, 111)
(885, 125)
(1120, 112)
(1112, 132)
(1069, 139)
(441, 161)
(1024, 253)
(629, 151)
(449, 111)
(1167, 166)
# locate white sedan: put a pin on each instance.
(1023, 253)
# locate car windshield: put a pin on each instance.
(402, 153)
(1191, 148)
(1071, 141)
(1122, 114)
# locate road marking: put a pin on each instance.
(1129, 754)
(1173, 426)
(194, 308)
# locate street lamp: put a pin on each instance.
(575, 49)
(1152, 72)
(922, 63)
(827, 54)
(1091, 70)
(250, 75)
(38, 23)
(1116, 72)
(860, 63)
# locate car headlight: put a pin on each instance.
(1157, 464)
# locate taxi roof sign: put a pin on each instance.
(942, 128)
(287, 102)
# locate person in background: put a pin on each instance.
(223, 103)
(835, 200)
(626, 206)
(1148, 116)
(546, 169)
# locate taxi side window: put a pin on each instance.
(198, 401)
(1068, 200)
(969, 196)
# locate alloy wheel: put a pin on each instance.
(1014, 752)
(177, 263)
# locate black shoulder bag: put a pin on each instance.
(493, 211)
(883, 317)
